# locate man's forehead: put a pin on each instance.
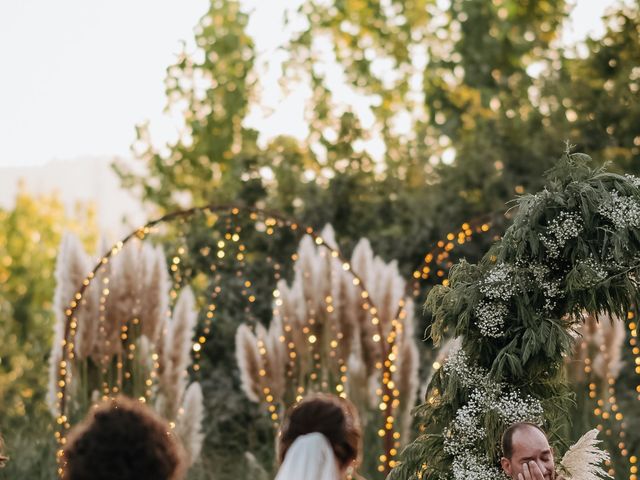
(530, 439)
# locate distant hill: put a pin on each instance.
(89, 179)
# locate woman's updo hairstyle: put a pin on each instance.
(336, 418)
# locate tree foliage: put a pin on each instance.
(29, 236)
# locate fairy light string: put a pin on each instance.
(607, 411)
(233, 248)
(272, 220)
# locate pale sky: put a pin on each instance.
(78, 75)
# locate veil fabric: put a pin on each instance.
(310, 457)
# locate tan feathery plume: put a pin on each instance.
(277, 359)
(362, 264)
(583, 461)
(101, 283)
(155, 298)
(333, 327)
(161, 345)
(266, 369)
(406, 375)
(344, 312)
(361, 258)
(587, 331)
(72, 267)
(272, 359)
(294, 309)
(306, 268)
(88, 315)
(144, 357)
(177, 351)
(604, 338)
(255, 471)
(386, 289)
(249, 362)
(159, 368)
(358, 385)
(189, 423)
(125, 286)
(607, 363)
(328, 235)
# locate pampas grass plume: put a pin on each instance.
(189, 425)
(72, 266)
(177, 351)
(155, 297)
(583, 461)
(249, 362)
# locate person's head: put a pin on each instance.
(336, 418)
(123, 439)
(525, 446)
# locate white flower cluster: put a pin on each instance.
(550, 288)
(596, 270)
(458, 364)
(564, 227)
(498, 283)
(471, 466)
(465, 431)
(623, 212)
(513, 408)
(633, 179)
(464, 436)
(490, 318)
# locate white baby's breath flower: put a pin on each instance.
(498, 283)
(623, 212)
(564, 227)
(464, 436)
(490, 318)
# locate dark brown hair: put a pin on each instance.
(507, 436)
(124, 440)
(336, 418)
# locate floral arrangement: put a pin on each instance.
(571, 249)
(464, 435)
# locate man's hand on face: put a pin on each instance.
(530, 471)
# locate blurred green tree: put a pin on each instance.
(29, 236)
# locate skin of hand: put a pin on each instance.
(531, 471)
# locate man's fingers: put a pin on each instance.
(535, 471)
(525, 472)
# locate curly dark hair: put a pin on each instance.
(336, 418)
(123, 439)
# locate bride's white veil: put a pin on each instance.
(310, 457)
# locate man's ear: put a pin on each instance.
(506, 465)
